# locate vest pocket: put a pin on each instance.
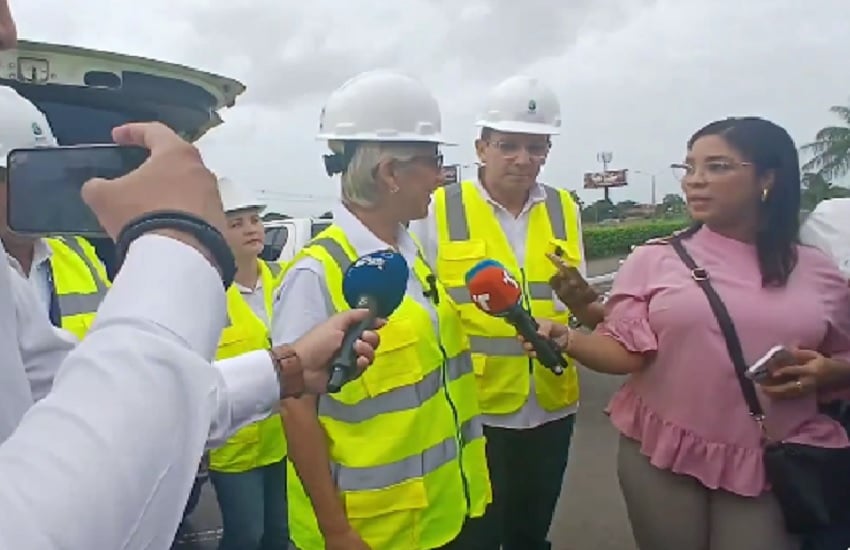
(396, 362)
(388, 517)
(456, 258)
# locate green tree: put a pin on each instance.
(830, 151)
(577, 200)
(816, 188)
(672, 205)
(599, 211)
(624, 207)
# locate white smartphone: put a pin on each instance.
(775, 358)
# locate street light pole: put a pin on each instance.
(652, 180)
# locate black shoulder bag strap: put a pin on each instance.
(733, 344)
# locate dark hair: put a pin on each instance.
(770, 148)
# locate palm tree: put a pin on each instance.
(830, 152)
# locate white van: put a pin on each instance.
(284, 238)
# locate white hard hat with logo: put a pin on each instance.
(522, 105)
(382, 105)
(23, 125)
(235, 197)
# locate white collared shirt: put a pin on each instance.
(106, 457)
(39, 273)
(301, 302)
(516, 230)
(256, 299)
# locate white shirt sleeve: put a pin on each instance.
(302, 302)
(108, 457)
(249, 381)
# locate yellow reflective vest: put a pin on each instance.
(468, 232)
(261, 443)
(405, 439)
(80, 281)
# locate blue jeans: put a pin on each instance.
(253, 508)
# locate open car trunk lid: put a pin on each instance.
(85, 93)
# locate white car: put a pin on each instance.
(284, 238)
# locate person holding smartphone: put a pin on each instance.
(691, 458)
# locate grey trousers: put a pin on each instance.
(669, 511)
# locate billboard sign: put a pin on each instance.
(451, 174)
(608, 178)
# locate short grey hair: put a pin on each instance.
(359, 185)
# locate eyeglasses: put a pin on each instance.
(511, 149)
(713, 169)
(431, 161)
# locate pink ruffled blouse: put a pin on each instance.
(686, 407)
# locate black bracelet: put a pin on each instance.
(206, 234)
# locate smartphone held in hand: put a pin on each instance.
(44, 186)
(776, 358)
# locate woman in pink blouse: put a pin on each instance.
(690, 459)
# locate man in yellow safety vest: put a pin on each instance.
(507, 215)
(65, 272)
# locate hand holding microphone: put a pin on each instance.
(376, 282)
(496, 293)
(558, 333)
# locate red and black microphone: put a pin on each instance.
(496, 293)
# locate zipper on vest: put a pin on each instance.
(458, 431)
(526, 303)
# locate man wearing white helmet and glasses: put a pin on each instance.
(508, 216)
(404, 442)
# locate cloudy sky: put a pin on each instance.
(635, 77)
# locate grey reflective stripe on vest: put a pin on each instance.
(503, 346)
(419, 465)
(458, 224)
(399, 399)
(536, 291)
(76, 303)
(336, 252)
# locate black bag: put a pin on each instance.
(812, 484)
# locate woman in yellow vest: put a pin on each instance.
(249, 471)
(395, 460)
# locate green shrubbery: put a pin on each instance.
(605, 241)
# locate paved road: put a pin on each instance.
(590, 515)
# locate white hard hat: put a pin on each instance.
(828, 229)
(23, 125)
(235, 197)
(522, 105)
(382, 105)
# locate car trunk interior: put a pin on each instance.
(87, 114)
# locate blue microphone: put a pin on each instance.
(376, 282)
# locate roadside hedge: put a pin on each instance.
(605, 241)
